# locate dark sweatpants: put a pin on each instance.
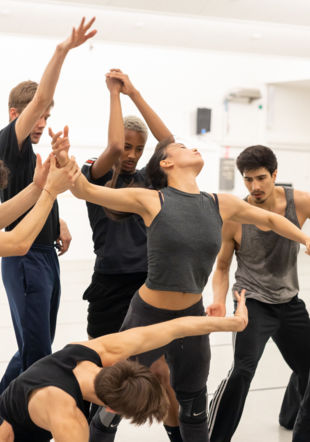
(288, 325)
(109, 297)
(188, 360)
(33, 289)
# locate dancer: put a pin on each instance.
(267, 269)
(120, 242)
(47, 400)
(120, 247)
(36, 274)
(184, 237)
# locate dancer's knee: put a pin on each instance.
(193, 410)
(105, 421)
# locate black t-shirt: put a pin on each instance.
(120, 246)
(21, 164)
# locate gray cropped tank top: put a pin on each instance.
(267, 262)
(183, 241)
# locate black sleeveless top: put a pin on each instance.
(183, 241)
(53, 370)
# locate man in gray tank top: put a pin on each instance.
(267, 269)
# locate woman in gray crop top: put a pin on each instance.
(184, 237)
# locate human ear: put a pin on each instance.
(274, 175)
(166, 163)
(13, 113)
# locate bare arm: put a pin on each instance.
(6, 432)
(142, 201)
(56, 411)
(119, 346)
(71, 429)
(13, 208)
(220, 280)
(64, 239)
(46, 88)
(234, 209)
(116, 139)
(302, 204)
(19, 240)
(156, 125)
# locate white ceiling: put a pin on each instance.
(296, 12)
(274, 27)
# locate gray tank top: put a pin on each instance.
(183, 241)
(267, 262)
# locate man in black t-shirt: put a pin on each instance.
(32, 281)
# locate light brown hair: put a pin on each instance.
(133, 391)
(22, 94)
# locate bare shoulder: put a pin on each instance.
(108, 347)
(229, 205)
(6, 432)
(48, 403)
(227, 199)
(302, 201)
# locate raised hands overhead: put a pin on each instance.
(79, 35)
(127, 87)
(60, 145)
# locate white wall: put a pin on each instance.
(174, 81)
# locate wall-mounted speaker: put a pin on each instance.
(203, 120)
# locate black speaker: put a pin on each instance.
(203, 120)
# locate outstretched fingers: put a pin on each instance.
(82, 29)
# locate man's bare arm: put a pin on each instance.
(13, 208)
(220, 280)
(234, 209)
(46, 88)
(115, 347)
(19, 240)
(302, 205)
(116, 139)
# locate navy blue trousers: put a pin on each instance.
(32, 285)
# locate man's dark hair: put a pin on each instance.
(254, 157)
(133, 391)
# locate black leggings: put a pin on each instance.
(188, 360)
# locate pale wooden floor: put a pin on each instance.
(259, 421)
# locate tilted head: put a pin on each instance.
(20, 96)
(135, 139)
(258, 166)
(168, 158)
(131, 390)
